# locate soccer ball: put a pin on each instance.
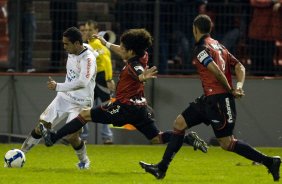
(14, 158)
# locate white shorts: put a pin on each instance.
(61, 109)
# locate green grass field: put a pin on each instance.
(118, 164)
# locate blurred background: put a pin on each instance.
(169, 21)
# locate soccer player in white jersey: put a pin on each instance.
(74, 95)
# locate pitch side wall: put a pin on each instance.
(259, 121)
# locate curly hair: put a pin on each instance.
(138, 40)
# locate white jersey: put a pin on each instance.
(80, 78)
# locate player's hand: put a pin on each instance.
(238, 93)
(51, 84)
(149, 73)
(111, 85)
(101, 38)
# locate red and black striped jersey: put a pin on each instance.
(129, 89)
(206, 51)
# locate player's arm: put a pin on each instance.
(138, 72)
(240, 75)
(113, 47)
(205, 58)
(239, 72)
(219, 75)
(88, 68)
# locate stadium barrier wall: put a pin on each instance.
(23, 97)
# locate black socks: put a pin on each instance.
(69, 128)
(248, 152)
(172, 148)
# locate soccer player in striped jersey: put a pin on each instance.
(217, 106)
(130, 105)
(73, 95)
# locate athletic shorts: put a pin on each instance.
(218, 110)
(119, 114)
(60, 109)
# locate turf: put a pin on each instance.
(118, 164)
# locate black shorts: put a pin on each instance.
(101, 89)
(118, 114)
(219, 111)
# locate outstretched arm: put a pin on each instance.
(115, 48)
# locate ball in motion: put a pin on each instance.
(14, 158)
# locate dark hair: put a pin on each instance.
(138, 40)
(73, 34)
(203, 23)
(80, 24)
(92, 22)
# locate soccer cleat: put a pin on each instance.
(194, 140)
(274, 168)
(46, 134)
(153, 169)
(83, 165)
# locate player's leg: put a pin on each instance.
(152, 133)
(77, 143)
(190, 117)
(80, 150)
(103, 114)
(84, 133)
(34, 138)
(71, 127)
(103, 96)
(224, 133)
(229, 143)
(174, 145)
(48, 116)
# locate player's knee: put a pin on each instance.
(156, 140)
(180, 123)
(73, 139)
(225, 143)
(47, 125)
(85, 114)
(37, 130)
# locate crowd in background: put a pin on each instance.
(251, 30)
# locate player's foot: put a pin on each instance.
(46, 134)
(153, 169)
(83, 165)
(274, 168)
(108, 141)
(193, 139)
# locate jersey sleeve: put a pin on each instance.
(203, 55)
(135, 69)
(232, 60)
(88, 69)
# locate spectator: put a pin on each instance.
(83, 31)
(63, 15)
(27, 27)
(104, 82)
(264, 29)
